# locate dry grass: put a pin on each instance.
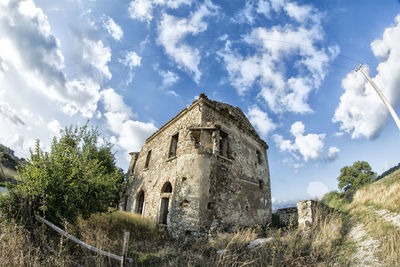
(385, 193)
(150, 246)
(320, 245)
(387, 234)
(20, 247)
(10, 173)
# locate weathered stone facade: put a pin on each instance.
(287, 216)
(310, 211)
(205, 169)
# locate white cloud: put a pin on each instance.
(142, 10)
(97, 55)
(113, 28)
(33, 59)
(114, 102)
(300, 13)
(261, 121)
(317, 189)
(173, 30)
(169, 78)
(130, 135)
(285, 85)
(245, 15)
(3, 66)
(10, 113)
(32, 66)
(333, 153)
(131, 60)
(54, 126)
(360, 112)
(309, 146)
(86, 93)
(264, 7)
(172, 92)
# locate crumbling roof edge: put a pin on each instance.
(203, 99)
(179, 115)
(253, 133)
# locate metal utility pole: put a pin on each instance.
(385, 101)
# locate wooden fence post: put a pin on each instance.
(125, 248)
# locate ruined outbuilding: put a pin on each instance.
(204, 170)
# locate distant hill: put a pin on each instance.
(386, 173)
(9, 160)
(283, 204)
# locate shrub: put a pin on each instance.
(77, 177)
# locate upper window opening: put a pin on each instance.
(261, 184)
(174, 144)
(140, 202)
(196, 134)
(259, 157)
(167, 188)
(223, 144)
(146, 165)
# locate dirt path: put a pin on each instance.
(391, 217)
(366, 246)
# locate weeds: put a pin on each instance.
(387, 234)
(383, 194)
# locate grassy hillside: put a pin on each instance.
(375, 206)
(9, 164)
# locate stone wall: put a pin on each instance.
(219, 176)
(287, 216)
(240, 182)
(310, 212)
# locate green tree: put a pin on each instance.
(353, 177)
(77, 177)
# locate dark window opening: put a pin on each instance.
(146, 165)
(167, 188)
(164, 210)
(223, 144)
(174, 144)
(261, 184)
(195, 136)
(185, 203)
(259, 157)
(140, 202)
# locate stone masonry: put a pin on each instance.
(204, 170)
(287, 216)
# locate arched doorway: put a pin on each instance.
(140, 202)
(166, 191)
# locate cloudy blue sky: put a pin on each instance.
(129, 66)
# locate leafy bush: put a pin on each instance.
(78, 177)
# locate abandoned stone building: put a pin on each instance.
(204, 170)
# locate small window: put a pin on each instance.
(261, 184)
(146, 165)
(259, 157)
(140, 202)
(196, 135)
(167, 188)
(223, 144)
(174, 144)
